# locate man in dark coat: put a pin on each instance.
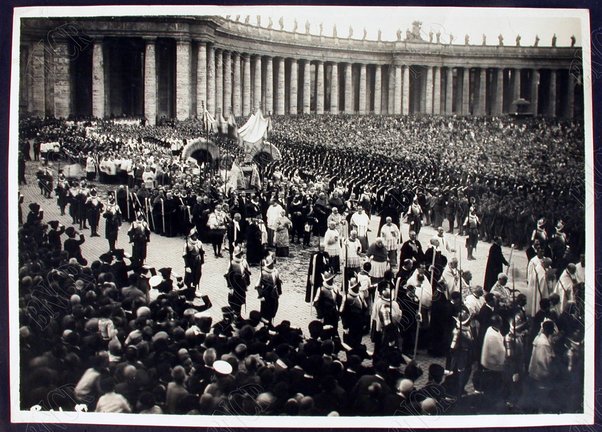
(495, 263)
(412, 250)
(54, 235)
(72, 246)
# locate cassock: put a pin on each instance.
(537, 282)
(440, 262)
(411, 249)
(565, 288)
(495, 263)
(318, 264)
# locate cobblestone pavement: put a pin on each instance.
(167, 252)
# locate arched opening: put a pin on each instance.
(263, 158)
(202, 156)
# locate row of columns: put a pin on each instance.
(242, 83)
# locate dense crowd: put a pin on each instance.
(108, 336)
(516, 171)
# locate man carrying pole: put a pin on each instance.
(420, 318)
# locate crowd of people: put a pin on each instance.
(139, 338)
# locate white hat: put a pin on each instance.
(155, 281)
(222, 367)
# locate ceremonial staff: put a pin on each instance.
(420, 302)
(513, 313)
(311, 283)
(510, 260)
(150, 211)
(163, 214)
(127, 201)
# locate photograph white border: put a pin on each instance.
(419, 422)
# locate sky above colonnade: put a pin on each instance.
(528, 23)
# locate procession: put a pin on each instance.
(216, 217)
(377, 296)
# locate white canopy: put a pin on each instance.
(254, 129)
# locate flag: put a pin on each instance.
(209, 121)
(232, 127)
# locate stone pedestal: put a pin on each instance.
(150, 83)
(98, 79)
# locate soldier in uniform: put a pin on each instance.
(326, 301)
(353, 314)
(93, 210)
(113, 220)
(194, 258)
(269, 288)
(414, 216)
(139, 234)
(81, 197)
(238, 279)
(471, 224)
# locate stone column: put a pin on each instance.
(219, 83)
(237, 90)
(227, 83)
(552, 94)
(498, 104)
(405, 105)
(280, 88)
(482, 109)
(62, 80)
(391, 90)
(449, 91)
(306, 87)
(269, 85)
(428, 106)
(466, 91)
(201, 78)
(515, 88)
(348, 89)
(257, 84)
(211, 80)
(294, 85)
(437, 91)
(534, 92)
(183, 79)
(377, 89)
(150, 83)
(38, 89)
(570, 97)
(98, 78)
(320, 88)
(397, 96)
(362, 89)
(334, 89)
(246, 86)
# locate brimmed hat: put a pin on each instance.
(165, 271)
(354, 286)
(268, 261)
(70, 231)
(192, 232)
(327, 276)
(560, 225)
